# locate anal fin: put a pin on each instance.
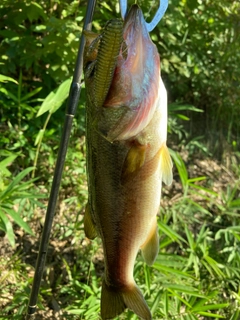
(89, 226)
(166, 165)
(150, 247)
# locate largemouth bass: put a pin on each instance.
(127, 156)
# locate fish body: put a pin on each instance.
(127, 159)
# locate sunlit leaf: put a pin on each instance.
(8, 228)
(211, 315)
(6, 162)
(55, 98)
(211, 307)
(169, 232)
(6, 78)
(18, 220)
(165, 303)
(31, 94)
(147, 279)
(171, 271)
(15, 182)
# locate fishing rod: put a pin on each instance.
(72, 104)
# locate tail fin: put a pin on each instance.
(112, 303)
(115, 301)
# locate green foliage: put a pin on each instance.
(41, 39)
(50, 104)
(13, 194)
(198, 43)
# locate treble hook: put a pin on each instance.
(158, 16)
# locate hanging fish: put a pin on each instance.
(127, 156)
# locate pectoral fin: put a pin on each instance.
(166, 165)
(90, 36)
(151, 246)
(91, 47)
(89, 226)
(134, 161)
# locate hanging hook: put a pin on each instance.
(123, 8)
(158, 16)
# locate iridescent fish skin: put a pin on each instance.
(127, 160)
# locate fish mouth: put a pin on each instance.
(137, 40)
(135, 27)
(135, 16)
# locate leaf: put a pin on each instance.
(6, 78)
(196, 179)
(191, 242)
(9, 94)
(202, 188)
(211, 315)
(30, 94)
(235, 316)
(18, 220)
(147, 279)
(211, 307)
(62, 94)
(8, 228)
(209, 269)
(183, 289)
(183, 117)
(169, 232)
(156, 302)
(187, 107)
(197, 205)
(172, 271)
(172, 260)
(165, 303)
(15, 182)
(4, 163)
(55, 98)
(179, 297)
(235, 204)
(182, 170)
(214, 265)
(35, 11)
(47, 104)
(39, 136)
